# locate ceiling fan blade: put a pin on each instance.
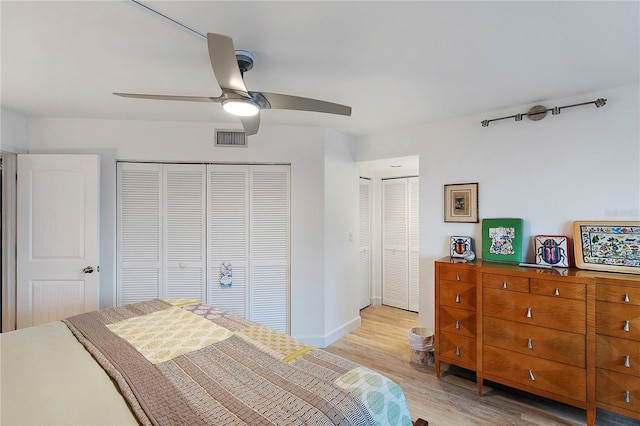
(279, 101)
(251, 124)
(224, 63)
(170, 97)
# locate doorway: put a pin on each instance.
(378, 171)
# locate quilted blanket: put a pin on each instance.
(179, 362)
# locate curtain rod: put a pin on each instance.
(538, 112)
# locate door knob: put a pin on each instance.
(88, 270)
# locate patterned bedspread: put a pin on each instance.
(180, 362)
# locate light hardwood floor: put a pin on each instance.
(381, 343)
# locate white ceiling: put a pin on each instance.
(395, 63)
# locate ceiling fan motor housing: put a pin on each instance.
(245, 60)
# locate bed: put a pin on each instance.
(179, 362)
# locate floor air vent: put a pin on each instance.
(231, 138)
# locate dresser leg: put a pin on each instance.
(437, 363)
(591, 417)
(480, 381)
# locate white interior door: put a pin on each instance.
(57, 237)
(395, 290)
(365, 244)
(414, 244)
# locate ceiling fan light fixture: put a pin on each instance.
(240, 107)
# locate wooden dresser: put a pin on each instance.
(565, 334)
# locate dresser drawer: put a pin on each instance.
(457, 349)
(561, 346)
(618, 294)
(458, 274)
(544, 311)
(618, 389)
(559, 289)
(457, 294)
(617, 354)
(505, 282)
(618, 320)
(458, 321)
(550, 376)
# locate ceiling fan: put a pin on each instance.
(229, 66)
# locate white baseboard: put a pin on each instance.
(332, 336)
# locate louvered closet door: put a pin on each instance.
(269, 256)
(228, 235)
(365, 249)
(184, 230)
(395, 244)
(414, 243)
(139, 232)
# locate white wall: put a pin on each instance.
(341, 236)
(13, 132)
(303, 148)
(581, 164)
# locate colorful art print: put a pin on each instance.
(607, 246)
(461, 202)
(552, 250)
(502, 240)
(460, 245)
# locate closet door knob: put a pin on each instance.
(88, 270)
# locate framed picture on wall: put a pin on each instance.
(461, 202)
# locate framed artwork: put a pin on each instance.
(460, 245)
(461, 202)
(502, 240)
(552, 250)
(607, 245)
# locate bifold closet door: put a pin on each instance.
(269, 246)
(365, 248)
(228, 236)
(139, 232)
(161, 234)
(400, 256)
(184, 231)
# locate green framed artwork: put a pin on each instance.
(502, 240)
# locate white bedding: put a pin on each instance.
(47, 377)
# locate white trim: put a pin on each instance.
(332, 336)
(8, 241)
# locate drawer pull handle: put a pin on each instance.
(626, 326)
(457, 325)
(626, 298)
(457, 350)
(530, 344)
(533, 378)
(627, 361)
(557, 292)
(529, 313)
(457, 277)
(457, 298)
(504, 284)
(627, 397)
